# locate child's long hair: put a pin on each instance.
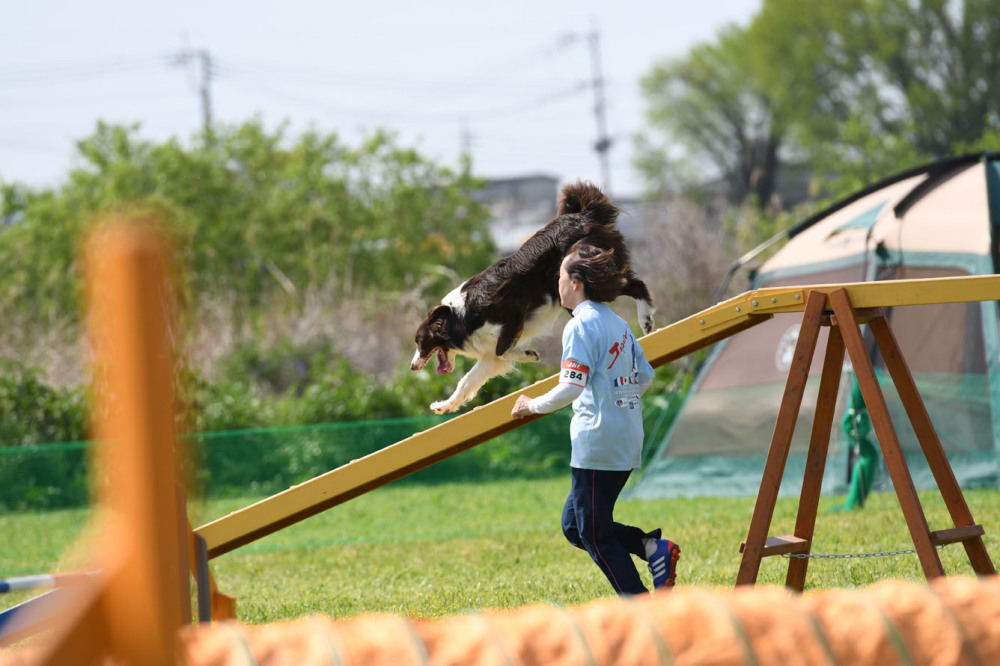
(603, 279)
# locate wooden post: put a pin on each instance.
(930, 444)
(781, 440)
(819, 445)
(892, 452)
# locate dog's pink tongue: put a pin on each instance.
(444, 367)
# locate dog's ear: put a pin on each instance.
(433, 331)
(439, 312)
(438, 316)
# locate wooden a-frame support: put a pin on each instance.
(845, 335)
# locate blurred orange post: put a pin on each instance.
(135, 616)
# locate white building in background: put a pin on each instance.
(521, 205)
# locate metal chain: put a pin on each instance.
(849, 556)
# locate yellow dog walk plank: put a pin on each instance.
(483, 423)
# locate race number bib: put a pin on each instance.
(574, 373)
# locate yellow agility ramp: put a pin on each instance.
(486, 422)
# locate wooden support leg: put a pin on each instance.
(819, 445)
(781, 440)
(892, 452)
(212, 604)
(931, 446)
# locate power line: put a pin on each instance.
(471, 83)
(438, 90)
(62, 73)
(516, 102)
(481, 114)
(20, 145)
(208, 68)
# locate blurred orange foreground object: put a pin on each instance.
(133, 612)
(949, 621)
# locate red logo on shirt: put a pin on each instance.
(617, 349)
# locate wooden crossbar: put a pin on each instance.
(956, 535)
(780, 545)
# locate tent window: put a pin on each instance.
(864, 221)
(941, 338)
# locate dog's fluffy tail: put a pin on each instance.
(585, 197)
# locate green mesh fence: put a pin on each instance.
(719, 442)
(267, 461)
(48, 476)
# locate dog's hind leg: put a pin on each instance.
(470, 384)
(518, 355)
(637, 289)
(646, 311)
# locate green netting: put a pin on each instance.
(270, 460)
(720, 440)
(50, 476)
(266, 461)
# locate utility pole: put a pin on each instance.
(465, 142)
(204, 59)
(603, 143)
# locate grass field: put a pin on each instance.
(428, 551)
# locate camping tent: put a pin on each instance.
(942, 219)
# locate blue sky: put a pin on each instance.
(510, 80)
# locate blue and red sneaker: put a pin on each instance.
(663, 563)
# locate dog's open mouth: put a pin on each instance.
(444, 365)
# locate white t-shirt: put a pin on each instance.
(604, 372)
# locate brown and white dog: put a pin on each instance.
(493, 316)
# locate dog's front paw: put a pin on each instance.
(648, 325)
(443, 407)
(531, 356)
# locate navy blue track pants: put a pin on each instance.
(588, 523)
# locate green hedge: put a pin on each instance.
(32, 412)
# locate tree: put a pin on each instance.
(279, 238)
(858, 89)
(255, 214)
(874, 86)
(713, 104)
